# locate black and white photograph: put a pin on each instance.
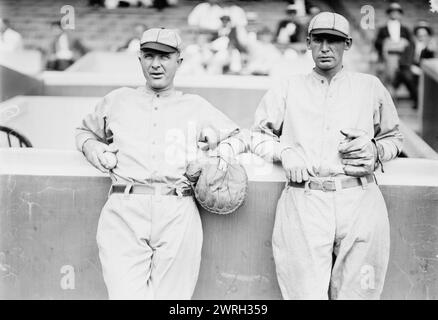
(218, 154)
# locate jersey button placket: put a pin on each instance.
(325, 126)
(154, 125)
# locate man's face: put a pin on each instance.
(422, 35)
(159, 68)
(226, 21)
(395, 15)
(313, 11)
(291, 13)
(327, 50)
(55, 30)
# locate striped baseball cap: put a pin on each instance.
(161, 39)
(329, 23)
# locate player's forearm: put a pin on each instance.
(266, 146)
(239, 143)
(389, 144)
(82, 136)
(389, 148)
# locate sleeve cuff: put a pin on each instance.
(278, 150)
(81, 138)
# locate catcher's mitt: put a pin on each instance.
(218, 191)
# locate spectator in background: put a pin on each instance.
(10, 40)
(96, 3)
(409, 67)
(391, 41)
(206, 16)
(300, 6)
(160, 4)
(197, 56)
(111, 4)
(424, 45)
(64, 49)
(133, 43)
(262, 53)
(289, 30)
(237, 15)
(312, 11)
(228, 47)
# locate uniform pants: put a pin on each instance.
(150, 246)
(331, 245)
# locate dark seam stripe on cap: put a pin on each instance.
(158, 34)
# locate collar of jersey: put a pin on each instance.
(339, 75)
(166, 93)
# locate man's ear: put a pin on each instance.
(348, 43)
(308, 43)
(139, 55)
(180, 60)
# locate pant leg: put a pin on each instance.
(411, 83)
(177, 242)
(362, 245)
(302, 243)
(122, 237)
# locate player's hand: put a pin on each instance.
(358, 153)
(208, 138)
(226, 155)
(100, 155)
(294, 166)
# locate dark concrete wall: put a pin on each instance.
(14, 83)
(429, 92)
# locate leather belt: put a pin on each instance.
(149, 189)
(334, 184)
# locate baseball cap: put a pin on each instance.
(424, 25)
(161, 39)
(394, 6)
(331, 23)
(291, 8)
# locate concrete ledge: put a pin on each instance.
(49, 162)
(414, 146)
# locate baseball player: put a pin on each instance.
(330, 129)
(149, 233)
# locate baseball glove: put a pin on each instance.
(220, 191)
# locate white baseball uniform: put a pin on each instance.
(311, 226)
(150, 244)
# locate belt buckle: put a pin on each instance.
(325, 184)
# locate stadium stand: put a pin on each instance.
(105, 29)
(414, 11)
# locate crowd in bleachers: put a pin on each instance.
(400, 50)
(227, 39)
(112, 4)
(227, 43)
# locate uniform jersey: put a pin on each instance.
(307, 113)
(157, 134)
